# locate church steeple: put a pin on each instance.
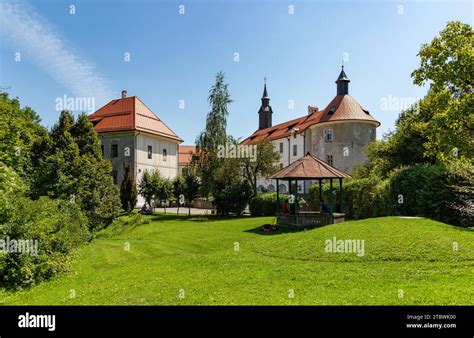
(342, 83)
(265, 112)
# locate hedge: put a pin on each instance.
(265, 204)
(421, 190)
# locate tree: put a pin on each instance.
(165, 191)
(214, 133)
(262, 165)
(439, 127)
(191, 190)
(86, 137)
(128, 191)
(19, 129)
(148, 186)
(60, 169)
(179, 186)
(230, 190)
(447, 64)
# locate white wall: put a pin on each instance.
(168, 168)
(298, 141)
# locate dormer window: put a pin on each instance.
(332, 110)
(366, 111)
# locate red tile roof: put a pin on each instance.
(341, 108)
(185, 154)
(130, 114)
(309, 167)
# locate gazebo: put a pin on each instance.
(309, 168)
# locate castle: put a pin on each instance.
(336, 134)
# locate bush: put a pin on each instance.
(265, 204)
(420, 190)
(362, 198)
(431, 191)
(128, 191)
(58, 227)
(230, 191)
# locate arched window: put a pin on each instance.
(261, 189)
(271, 188)
(282, 188)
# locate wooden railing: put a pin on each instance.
(308, 219)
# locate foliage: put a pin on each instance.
(439, 127)
(262, 166)
(191, 189)
(431, 191)
(230, 191)
(62, 170)
(179, 187)
(58, 226)
(165, 191)
(214, 134)
(128, 191)
(19, 129)
(148, 186)
(420, 190)
(265, 204)
(360, 197)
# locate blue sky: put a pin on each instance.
(175, 57)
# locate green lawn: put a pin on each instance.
(196, 258)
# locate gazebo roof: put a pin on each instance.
(309, 167)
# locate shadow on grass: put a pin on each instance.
(192, 218)
(279, 231)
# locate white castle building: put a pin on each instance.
(336, 134)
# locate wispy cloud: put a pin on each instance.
(38, 39)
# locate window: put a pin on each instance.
(329, 135)
(330, 162)
(294, 135)
(332, 110)
(281, 147)
(281, 166)
(150, 151)
(114, 176)
(282, 188)
(165, 154)
(372, 134)
(295, 150)
(102, 149)
(114, 150)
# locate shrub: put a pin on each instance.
(431, 191)
(265, 204)
(230, 191)
(58, 227)
(128, 191)
(362, 198)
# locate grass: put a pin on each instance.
(192, 260)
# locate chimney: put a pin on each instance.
(124, 94)
(312, 109)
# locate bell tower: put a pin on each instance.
(265, 112)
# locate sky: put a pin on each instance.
(168, 52)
